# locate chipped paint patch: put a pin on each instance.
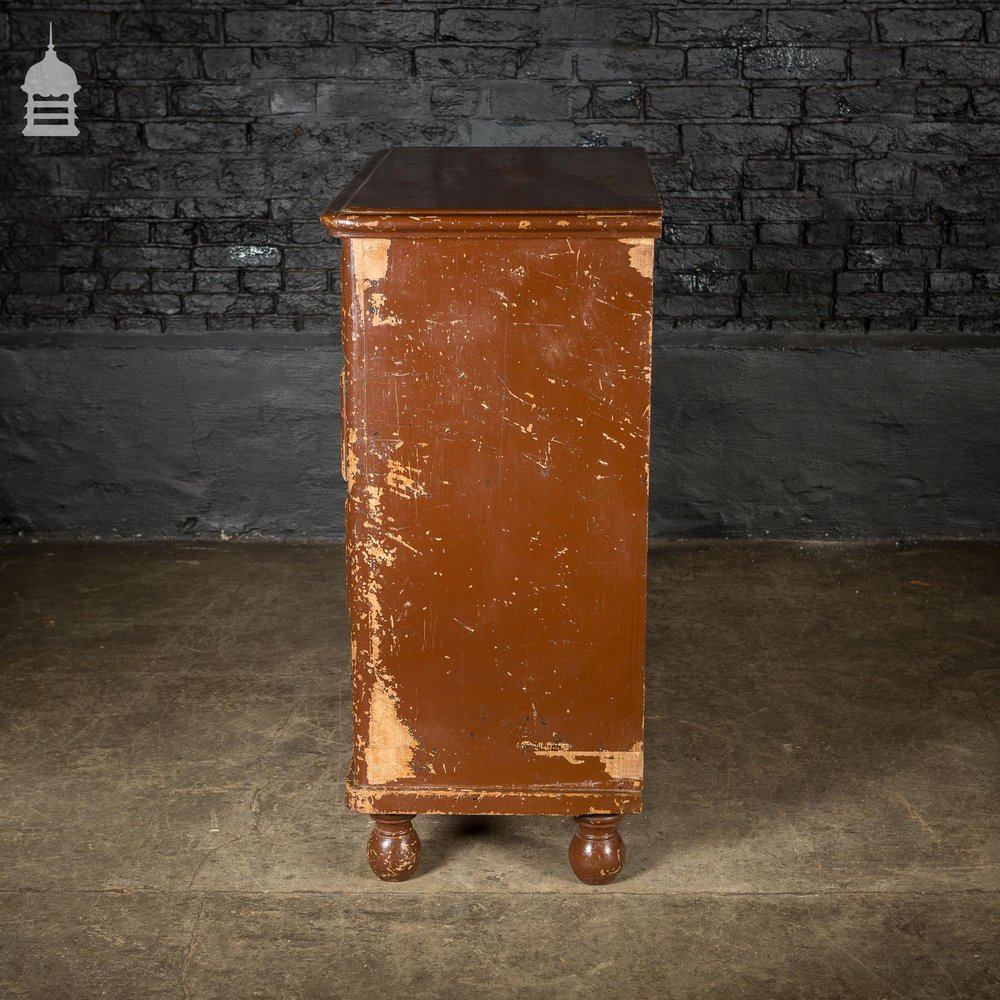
(391, 743)
(620, 765)
(372, 259)
(351, 458)
(387, 743)
(376, 303)
(640, 256)
(624, 765)
(370, 264)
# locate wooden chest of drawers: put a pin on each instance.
(495, 432)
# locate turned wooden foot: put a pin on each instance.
(393, 848)
(597, 852)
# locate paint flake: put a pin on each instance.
(640, 256)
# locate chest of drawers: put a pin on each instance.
(495, 436)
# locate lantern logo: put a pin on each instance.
(51, 87)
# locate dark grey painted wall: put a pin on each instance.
(828, 287)
(833, 442)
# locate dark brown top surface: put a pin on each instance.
(501, 179)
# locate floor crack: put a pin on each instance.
(192, 947)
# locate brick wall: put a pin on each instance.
(830, 169)
(830, 165)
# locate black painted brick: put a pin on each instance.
(276, 26)
(228, 63)
(779, 174)
(338, 61)
(613, 100)
(147, 62)
(950, 62)
(776, 102)
(694, 102)
(241, 100)
(709, 26)
(466, 61)
(911, 24)
(624, 23)
(791, 62)
(383, 26)
(712, 64)
(164, 27)
(488, 25)
(31, 30)
(641, 63)
(818, 26)
(537, 101)
(191, 135)
(881, 62)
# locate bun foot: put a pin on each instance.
(597, 851)
(393, 848)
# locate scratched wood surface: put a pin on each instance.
(496, 429)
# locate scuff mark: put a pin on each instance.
(400, 480)
(405, 544)
(917, 818)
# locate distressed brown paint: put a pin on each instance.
(496, 328)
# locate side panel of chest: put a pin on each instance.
(496, 451)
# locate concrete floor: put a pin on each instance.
(822, 774)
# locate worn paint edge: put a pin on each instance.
(620, 765)
(391, 744)
(537, 801)
(545, 224)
